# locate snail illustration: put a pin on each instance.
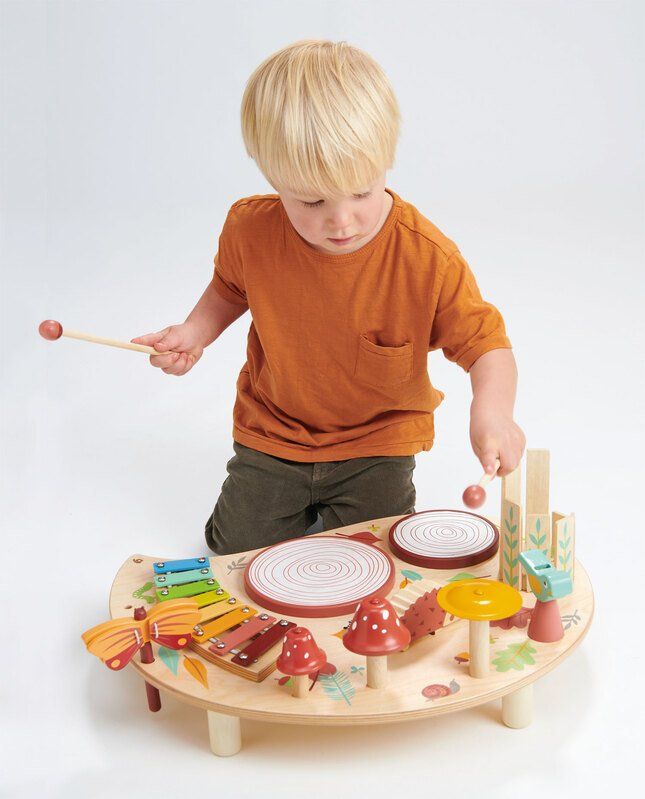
(439, 691)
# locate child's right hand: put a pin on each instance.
(181, 344)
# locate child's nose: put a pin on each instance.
(339, 222)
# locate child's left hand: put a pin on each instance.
(494, 435)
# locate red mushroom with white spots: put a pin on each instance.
(300, 656)
(376, 632)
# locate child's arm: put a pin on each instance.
(493, 433)
(186, 342)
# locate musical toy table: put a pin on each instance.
(428, 679)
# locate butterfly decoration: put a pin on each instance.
(116, 641)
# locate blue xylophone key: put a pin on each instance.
(181, 578)
(164, 567)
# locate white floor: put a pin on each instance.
(110, 221)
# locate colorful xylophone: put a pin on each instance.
(231, 634)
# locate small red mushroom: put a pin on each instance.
(50, 329)
(376, 631)
(300, 656)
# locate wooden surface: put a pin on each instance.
(430, 678)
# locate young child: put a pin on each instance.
(349, 287)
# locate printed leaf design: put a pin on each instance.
(337, 686)
(462, 576)
(170, 657)
(571, 619)
(410, 575)
(357, 669)
(196, 669)
(236, 564)
(139, 593)
(511, 579)
(536, 539)
(508, 523)
(515, 656)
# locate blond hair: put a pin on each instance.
(320, 116)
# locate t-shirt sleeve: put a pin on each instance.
(228, 277)
(465, 326)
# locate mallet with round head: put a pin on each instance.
(475, 496)
(52, 330)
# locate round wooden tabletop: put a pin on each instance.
(429, 678)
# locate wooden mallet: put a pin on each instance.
(52, 330)
(475, 496)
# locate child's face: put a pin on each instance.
(358, 217)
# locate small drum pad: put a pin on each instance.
(444, 539)
(318, 576)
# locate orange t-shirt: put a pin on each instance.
(338, 347)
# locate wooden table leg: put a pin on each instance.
(224, 733)
(517, 708)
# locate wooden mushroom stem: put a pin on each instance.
(377, 671)
(479, 648)
(300, 686)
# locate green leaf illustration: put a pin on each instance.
(410, 575)
(462, 576)
(510, 579)
(515, 656)
(170, 657)
(337, 686)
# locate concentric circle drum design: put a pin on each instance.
(444, 539)
(318, 576)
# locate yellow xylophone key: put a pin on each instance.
(208, 597)
(213, 628)
(218, 609)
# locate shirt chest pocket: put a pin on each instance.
(382, 366)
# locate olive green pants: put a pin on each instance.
(265, 499)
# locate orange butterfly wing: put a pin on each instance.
(116, 641)
(171, 623)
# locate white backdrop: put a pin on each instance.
(121, 152)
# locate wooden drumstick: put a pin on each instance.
(52, 330)
(475, 496)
